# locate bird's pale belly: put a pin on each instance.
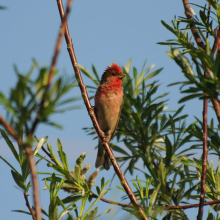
(108, 112)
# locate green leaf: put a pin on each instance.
(162, 176)
(186, 98)
(21, 211)
(78, 166)
(133, 212)
(127, 66)
(149, 180)
(9, 143)
(18, 179)
(8, 164)
(156, 72)
(60, 186)
(105, 212)
(86, 72)
(91, 214)
(96, 73)
(168, 27)
(40, 144)
(153, 198)
(72, 198)
(65, 209)
(62, 155)
(169, 151)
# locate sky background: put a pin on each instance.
(102, 32)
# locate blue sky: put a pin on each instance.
(102, 32)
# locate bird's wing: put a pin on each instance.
(117, 122)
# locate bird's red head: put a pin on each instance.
(112, 74)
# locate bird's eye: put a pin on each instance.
(113, 74)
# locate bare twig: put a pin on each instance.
(52, 68)
(164, 208)
(28, 205)
(205, 147)
(204, 160)
(112, 202)
(191, 205)
(36, 193)
(93, 117)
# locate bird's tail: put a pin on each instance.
(102, 157)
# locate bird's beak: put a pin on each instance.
(121, 75)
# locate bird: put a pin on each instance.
(108, 105)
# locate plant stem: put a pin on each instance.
(28, 205)
(93, 117)
(205, 148)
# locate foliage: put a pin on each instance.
(163, 142)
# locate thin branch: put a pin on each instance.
(31, 161)
(52, 68)
(205, 147)
(28, 205)
(191, 205)
(93, 117)
(11, 131)
(112, 202)
(164, 208)
(204, 160)
(30, 156)
(194, 30)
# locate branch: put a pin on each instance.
(164, 208)
(93, 117)
(28, 205)
(191, 205)
(194, 30)
(204, 160)
(11, 131)
(31, 161)
(112, 202)
(205, 147)
(52, 68)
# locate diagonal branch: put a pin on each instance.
(28, 205)
(11, 131)
(194, 30)
(93, 117)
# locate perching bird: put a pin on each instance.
(108, 104)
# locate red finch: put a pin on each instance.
(108, 104)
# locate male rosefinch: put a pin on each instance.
(108, 104)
